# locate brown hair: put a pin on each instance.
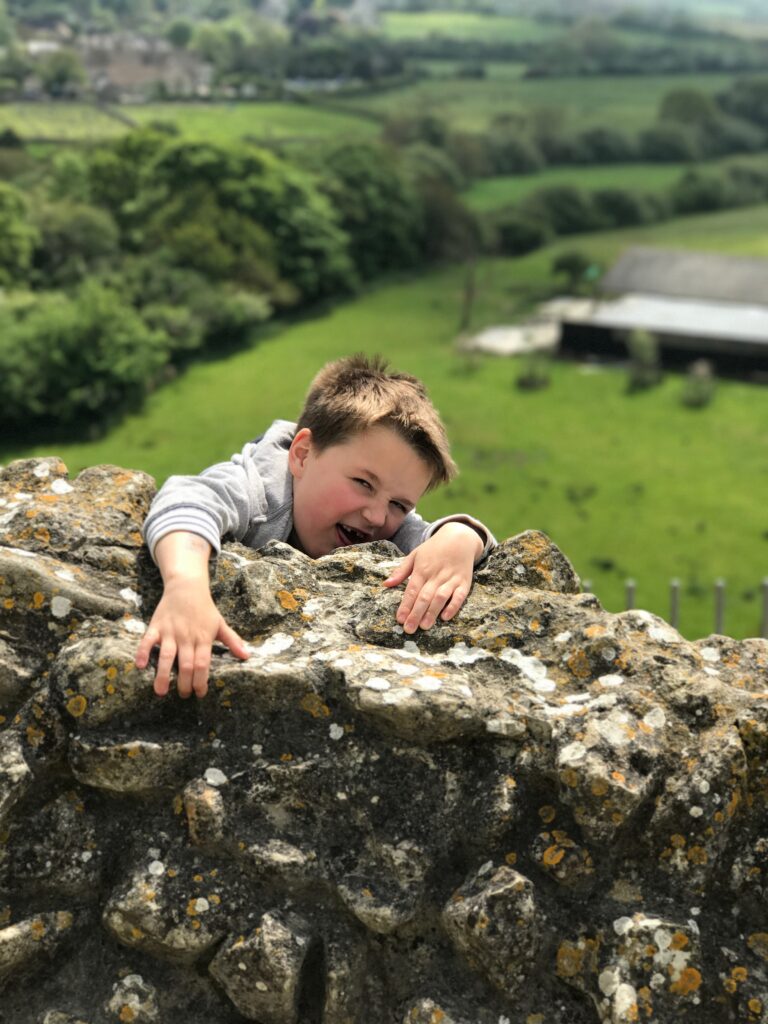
(351, 395)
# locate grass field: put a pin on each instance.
(626, 485)
(493, 193)
(467, 26)
(628, 102)
(215, 122)
(71, 122)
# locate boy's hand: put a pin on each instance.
(440, 573)
(185, 624)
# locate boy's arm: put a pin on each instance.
(186, 621)
(440, 568)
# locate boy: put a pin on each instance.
(368, 444)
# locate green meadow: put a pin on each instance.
(466, 26)
(636, 485)
(626, 102)
(68, 122)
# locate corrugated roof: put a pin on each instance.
(684, 318)
(702, 275)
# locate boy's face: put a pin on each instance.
(353, 492)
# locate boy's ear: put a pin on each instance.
(300, 448)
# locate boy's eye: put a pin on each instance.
(400, 507)
(365, 483)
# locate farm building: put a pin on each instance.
(698, 305)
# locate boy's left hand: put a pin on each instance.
(440, 573)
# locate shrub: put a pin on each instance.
(514, 233)
(569, 210)
(618, 207)
(573, 264)
(605, 146)
(699, 384)
(698, 191)
(669, 143)
(644, 363)
(514, 153)
(74, 239)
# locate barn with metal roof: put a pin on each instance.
(698, 305)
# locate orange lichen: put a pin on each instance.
(739, 974)
(286, 757)
(76, 706)
(688, 982)
(111, 672)
(126, 1014)
(569, 777)
(8, 603)
(34, 736)
(552, 856)
(679, 940)
(755, 1006)
(38, 929)
(287, 600)
(697, 855)
(579, 665)
(618, 776)
(570, 960)
(511, 858)
(314, 706)
(599, 787)
(677, 841)
(547, 813)
(730, 985)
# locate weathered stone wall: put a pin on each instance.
(540, 813)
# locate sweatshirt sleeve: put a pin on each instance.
(415, 531)
(223, 499)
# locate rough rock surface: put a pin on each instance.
(540, 813)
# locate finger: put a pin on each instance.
(164, 666)
(148, 641)
(201, 667)
(402, 572)
(439, 599)
(420, 606)
(185, 661)
(233, 641)
(454, 605)
(410, 596)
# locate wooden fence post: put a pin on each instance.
(674, 602)
(629, 590)
(719, 605)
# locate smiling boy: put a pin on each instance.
(367, 446)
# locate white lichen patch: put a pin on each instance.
(573, 754)
(134, 625)
(608, 981)
(215, 777)
(404, 669)
(65, 574)
(60, 606)
(22, 553)
(695, 811)
(611, 681)
(374, 658)
(563, 638)
(625, 1002)
(42, 470)
(130, 595)
(398, 696)
(60, 486)
(377, 683)
(336, 731)
(710, 654)
(201, 905)
(615, 728)
(655, 719)
(664, 634)
(461, 654)
(427, 683)
(275, 644)
(156, 868)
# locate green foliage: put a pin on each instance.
(573, 264)
(514, 153)
(116, 171)
(604, 146)
(62, 73)
(424, 165)
(699, 385)
(74, 240)
(515, 233)
(644, 364)
(667, 142)
(747, 98)
(377, 208)
(566, 208)
(18, 236)
(76, 359)
(698, 191)
(310, 247)
(619, 207)
(68, 178)
(689, 107)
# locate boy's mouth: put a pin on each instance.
(349, 535)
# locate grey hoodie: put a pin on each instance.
(250, 499)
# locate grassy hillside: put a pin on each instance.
(624, 102)
(626, 485)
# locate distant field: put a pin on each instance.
(492, 193)
(225, 122)
(73, 122)
(464, 25)
(218, 122)
(627, 485)
(628, 102)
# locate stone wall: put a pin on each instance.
(540, 813)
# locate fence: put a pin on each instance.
(719, 594)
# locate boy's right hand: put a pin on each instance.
(185, 625)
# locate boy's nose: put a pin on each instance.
(375, 514)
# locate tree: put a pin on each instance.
(18, 236)
(688, 106)
(62, 74)
(74, 239)
(573, 264)
(747, 98)
(76, 359)
(569, 210)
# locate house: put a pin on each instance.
(697, 305)
(126, 66)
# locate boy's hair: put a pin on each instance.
(351, 395)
